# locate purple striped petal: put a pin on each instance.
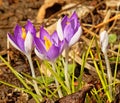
(17, 31)
(68, 32)
(29, 27)
(40, 45)
(44, 33)
(62, 45)
(64, 22)
(76, 36)
(40, 55)
(54, 38)
(18, 37)
(53, 53)
(74, 19)
(13, 42)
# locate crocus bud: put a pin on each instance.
(104, 40)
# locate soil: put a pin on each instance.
(14, 12)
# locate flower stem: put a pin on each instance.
(33, 75)
(109, 73)
(66, 68)
(57, 84)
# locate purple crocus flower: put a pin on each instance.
(69, 29)
(48, 47)
(23, 38)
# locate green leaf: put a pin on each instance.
(48, 79)
(70, 68)
(112, 38)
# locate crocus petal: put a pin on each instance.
(59, 30)
(44, 33)
(54, 38)
(104, 40)
(64, 22)
(53, 53)
(13, 42)
(68, 32)
(29, 27)
(20, 43)
(18, 37)
(74, 18)
(62, 46)
(40, 49)
(40, 45)
(28, 43)
(40, 55)
(76, 36)
(17, 31)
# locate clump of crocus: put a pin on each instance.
(23, 40)
(49, 47)
(69, 29)
(104, 45)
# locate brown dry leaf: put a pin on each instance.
(51, 28)
(113, 3)
(1, 2)
(47, 4)
(79, 8)
(78, 97)
(42, 10)
(13, 1)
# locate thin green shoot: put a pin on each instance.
(96, 95)
(59, 79)
(36, 97)
(116, 64)
(73, 77)
(44, 79)
(101, 78)
(19, 76)
(84, 58)
(56, 82)
(100, 63)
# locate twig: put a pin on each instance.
(107, 21)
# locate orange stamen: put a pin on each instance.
(48, 43)
(23, 33)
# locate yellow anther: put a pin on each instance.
(67, 22)
(48, 43)
(23, 33)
